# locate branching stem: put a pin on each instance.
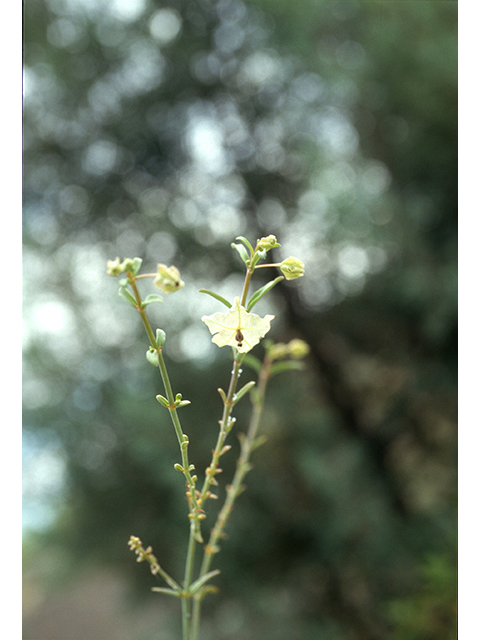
(195, 510)
(234, 490)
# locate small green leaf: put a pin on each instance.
(169, 592)
(260, 254)
(246, 243)
(162, 400)
(201, 581)
(126, 295)
(137, 263)
(258, 442)
(152, 356)
(152, 297)
(216, 296)
(286, 365)
(245, 389)
(242, 252)
(252, 362)
(262, 291)
(182, 403)
(256, 397)
(160, 337)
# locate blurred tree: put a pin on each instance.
(165, 129)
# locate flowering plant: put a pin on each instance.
(242, 330)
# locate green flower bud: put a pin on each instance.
(292, 268)
(277, 351)
(270, 242)
(115, 267)
(168, 279)
(132, 265)
(298, 349)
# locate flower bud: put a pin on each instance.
(298, 349)
(168, 279)
(277, 351)
(292, 268)
(270, 242)
(115, 267)
(132, 265)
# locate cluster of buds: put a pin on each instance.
(291, 268)
(166, 278)
(135, 544)
(295, 349)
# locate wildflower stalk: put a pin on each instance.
(241, 330)
(227, 421)
(249, 442)
(172, 408)
(195, 512)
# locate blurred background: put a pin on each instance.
(164, 130)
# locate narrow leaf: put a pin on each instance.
(216, 296)
(258, 442)
(262, 291)
(246, 243)
(126, 295)
(242, 252)
(261, 254)
(169, 592)
(252, 362)
(152, 297)
(245, 389)
(201, 581)
(286, 365)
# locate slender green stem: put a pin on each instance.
(195, 510)
(246, 286)
(190, 622)
(182, 439)
(226, 424)
(233, 490)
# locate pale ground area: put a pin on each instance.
(94, 607)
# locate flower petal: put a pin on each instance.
(237, 328)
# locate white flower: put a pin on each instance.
(237, 327)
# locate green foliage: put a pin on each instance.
(430, 611)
